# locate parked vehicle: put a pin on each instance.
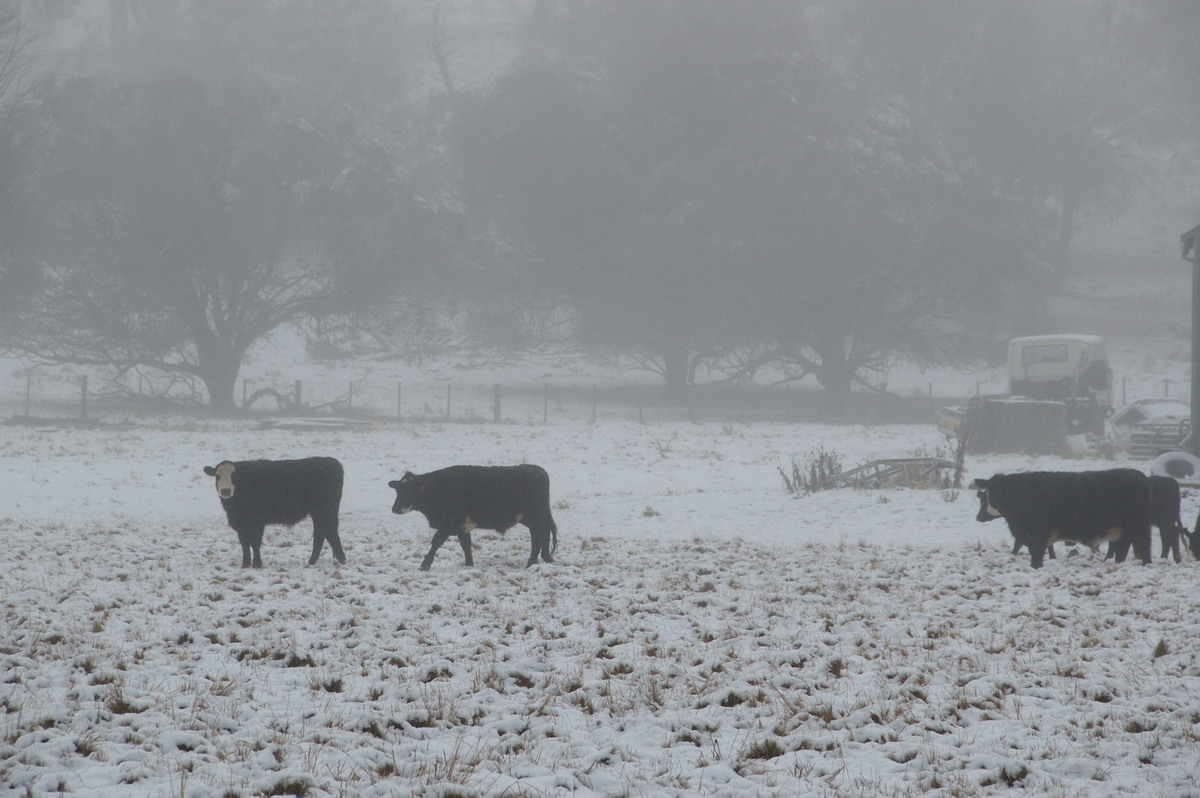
(1058, 385)
(1148, 427)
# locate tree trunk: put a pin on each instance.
(218, 366)
(675, 368)
(836, 376)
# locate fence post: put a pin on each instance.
(244, 381)
(28, 390)
(496, 401)
(297, 399)
(447, 401)
(83, 398)
(399, 406)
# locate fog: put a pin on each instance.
(817, 190)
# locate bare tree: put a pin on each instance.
(193, 223)
(20, 76)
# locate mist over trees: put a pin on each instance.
(818, 189)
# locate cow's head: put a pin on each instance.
(223, 471)
(986, 511)
(407, 488)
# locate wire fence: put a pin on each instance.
(46, 395)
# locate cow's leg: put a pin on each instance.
(244, 539)
(1017, 544)
(439, 537)
(547, 551)
(325, 527)
(256, 537)
(539, 538)
(335, 542)
(318, 539)
(464, 540)
(1142, 546)
(1169, 535)
(1037, 543)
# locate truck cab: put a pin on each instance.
(1072, 369)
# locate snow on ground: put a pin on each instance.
(702, 633)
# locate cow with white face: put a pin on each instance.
(1089, 507)
(255, 493)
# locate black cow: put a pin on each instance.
(1164, 514)
(255, 493)
(1090, 507)
(461, 498)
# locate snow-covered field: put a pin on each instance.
(702, 633)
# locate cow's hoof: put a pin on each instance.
(341, 560)
(423, 568)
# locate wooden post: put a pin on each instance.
(83, 398)
(399, 406)
(1191, 252)
(297, 400)
(244, 393)
(447, 401)
(28, 390)
(496, 402)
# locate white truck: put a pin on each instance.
(1058, 385)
